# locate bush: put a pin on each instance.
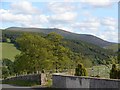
(80, 70)
(115, 72)
(118, 73)
(5, 72)
(9, 65)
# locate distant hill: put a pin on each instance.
(68, 35)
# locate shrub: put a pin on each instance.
(5, 72)
(80, 70)
(118, 73)
(115, 72)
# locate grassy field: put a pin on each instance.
(113, 47)
(9, 51)
(101, 70)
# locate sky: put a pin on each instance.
(95, 17)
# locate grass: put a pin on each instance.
(49, 83)
(100, 70)
(113, 47)
(9, 51)
(21, 83)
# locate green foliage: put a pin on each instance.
(114, 72)
(7, 62)
(51, 51)
(80, 70)
(85, 49)
(118, 54)
(87, 62)
(7, 68)
(49, 83)
(5, 72)
(92, 52)
(34, 54)
(113, 47)
(60, 53)
(118, 73)
(21, 83)
(41, 53)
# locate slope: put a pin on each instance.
(68, 35)
(91, 51)
(9, 51)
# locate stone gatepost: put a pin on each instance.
(43, 79)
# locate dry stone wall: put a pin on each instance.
(62, 81)
(41, 78)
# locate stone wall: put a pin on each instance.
(41, 78)
(62, 81)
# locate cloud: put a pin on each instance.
(60, 7)
(41, 18)
(109, 35)
(99, 3)
(90, 25)
(9, 17)
(66, 17)
(62, 12)
(110, 23)
(24, 7)
(105, 28)
(23, 14)
(24, 20)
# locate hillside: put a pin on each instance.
(95, 53)
(9, 51)
(113, 47)
(68, 35)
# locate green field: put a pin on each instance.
(101, 70)
(9, 51)
(113, 47)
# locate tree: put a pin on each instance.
(87, 62)
(113, 72)
(35, 52)
(61, 54)
(9, 65)
(5, 72)
(80, 70)
(21, 64)
(118, 54)
(7, 62)
(118, 73)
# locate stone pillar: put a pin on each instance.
(43, 79)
